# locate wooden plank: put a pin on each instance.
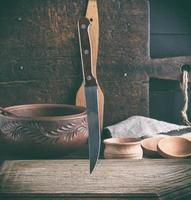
(45, 91)
(117, 90)
(112, 178)
(83, 196)
(166, 101)
(41, 68)
(168, 16)
(170, 45)
(170, 28)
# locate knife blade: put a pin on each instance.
(91, 93)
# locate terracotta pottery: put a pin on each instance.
(45, 124)
(174, 147)
(149, 145)
(187, 136)
(123, 148)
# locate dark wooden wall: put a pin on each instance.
(170, 27)
(40, 59)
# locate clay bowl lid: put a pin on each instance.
(174, 147)
(122, 141)
(149, 145)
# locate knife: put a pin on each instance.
(92, 15)
(91, 92)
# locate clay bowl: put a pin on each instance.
(54, 125)
(123, 148)
(149, 145)
(174, 147)
(187, 136)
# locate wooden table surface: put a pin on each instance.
(112, 179)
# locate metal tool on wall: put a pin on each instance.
(91, 91)
(92, 15)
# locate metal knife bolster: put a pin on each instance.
(86, 54)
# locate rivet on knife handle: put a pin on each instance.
(83, 27)
(91, 92)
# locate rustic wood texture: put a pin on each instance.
(40, 58)
(126, 179)
(170, 30)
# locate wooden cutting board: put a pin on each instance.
(92, 15)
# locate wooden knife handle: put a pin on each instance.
(86, 53)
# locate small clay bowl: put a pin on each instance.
(149, 146)
(45, 124)
(187, 136)
(123, 148)
(174, 147)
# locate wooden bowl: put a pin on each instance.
(187, 136)
(174, 147)
(45, 124)
(149, 145)
(123, 148)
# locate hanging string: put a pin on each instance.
(184, 88)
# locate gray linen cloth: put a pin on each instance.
(139, 126)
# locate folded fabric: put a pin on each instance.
(139, 126)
